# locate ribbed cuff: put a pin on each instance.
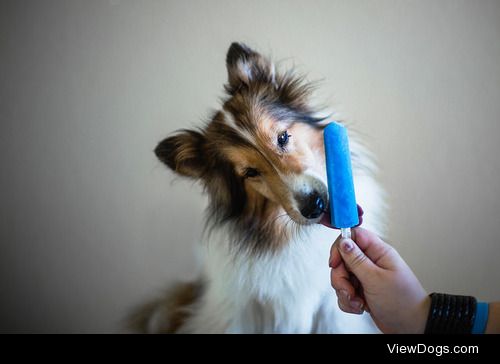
(451, 314)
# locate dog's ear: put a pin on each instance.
(183, 153)
(245, 66)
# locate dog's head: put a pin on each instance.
(261, 157)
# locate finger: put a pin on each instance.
(346, 293)
(355, 304)
(356, 261)
(355, 282)
(335, 257)
(357, 310)
(340, 280)
(381, 253)
(358, 290)
(344, 307)
(357, 287)
(343, 298)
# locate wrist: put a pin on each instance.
(493, 325)
(422, 315)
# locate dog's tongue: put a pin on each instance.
(325, 219)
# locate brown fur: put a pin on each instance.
(259, 211)
(172, 309)
(262, 104)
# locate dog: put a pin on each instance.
(261, 161)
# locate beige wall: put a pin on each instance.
(91, 223)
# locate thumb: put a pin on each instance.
(355, 260)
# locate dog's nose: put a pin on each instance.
(314, 205)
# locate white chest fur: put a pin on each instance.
(288, 292)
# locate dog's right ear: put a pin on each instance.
(183, 153)
(245, 66)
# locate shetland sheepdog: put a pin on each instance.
(261, 161)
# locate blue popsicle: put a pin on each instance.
(343, 208)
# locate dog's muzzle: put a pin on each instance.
(312, 205)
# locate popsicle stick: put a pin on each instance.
(345, 233)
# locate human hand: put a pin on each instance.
(370, 275)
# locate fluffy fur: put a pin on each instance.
(266, 256)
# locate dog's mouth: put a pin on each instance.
(326, 218)
(323, 218)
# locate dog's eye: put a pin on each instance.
(251, 172)
(283, 139)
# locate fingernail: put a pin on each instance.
(356, 305)
(344, 294)
(346, 245)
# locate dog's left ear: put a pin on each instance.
(183, 153)
(245, 66)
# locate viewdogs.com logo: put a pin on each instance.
(437, 350)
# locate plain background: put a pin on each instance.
(92, 224)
